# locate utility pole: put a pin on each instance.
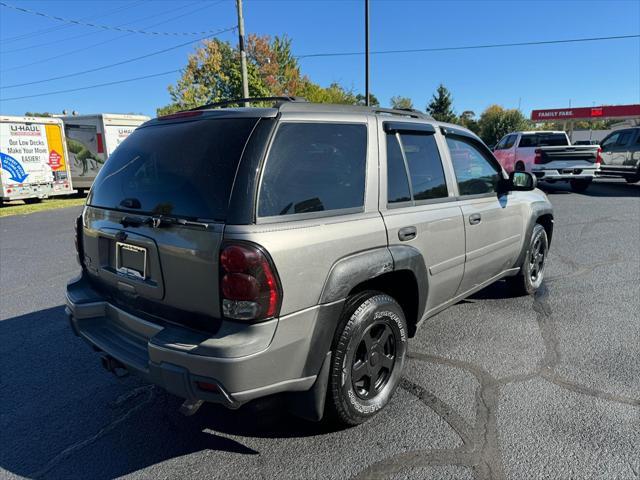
(243, 54)
(366, 52)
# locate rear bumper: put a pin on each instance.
(244, 361)
(619, 171)
(564, 173)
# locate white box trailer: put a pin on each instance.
(92, 138)
(33, 159)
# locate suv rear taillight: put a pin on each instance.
(78, 240)
(599, 156)
(538, 158)
(249, 286)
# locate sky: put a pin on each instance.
(34, 48)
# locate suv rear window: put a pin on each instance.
(313, 167)
(543, 140)
(183, 169)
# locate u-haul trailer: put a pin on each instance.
(92, 138)
(33, 159)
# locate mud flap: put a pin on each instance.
(310, 404)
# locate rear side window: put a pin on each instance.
(314, 167)
(397, 182)
(182, 169)
(423, 163)
(425, 166)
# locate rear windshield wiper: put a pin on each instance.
(158, 221)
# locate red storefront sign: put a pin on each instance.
(607, 111)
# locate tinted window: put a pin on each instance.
(543, 140)
(474, 173)
(502, 143)
(610, 140)
(183, 169)
(314, 167)
(425, 166)
(624, 138)
(511, 139)
(397, 182)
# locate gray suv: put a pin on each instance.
(230, 254)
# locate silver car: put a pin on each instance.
(230, 254)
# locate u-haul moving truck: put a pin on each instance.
(33, 159)
(92, 138)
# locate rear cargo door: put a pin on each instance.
(156, 216)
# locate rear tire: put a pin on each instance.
(519, 167)
(369, 349)
(531, 274)
(579, 185)
(32, 201)
(634, 179)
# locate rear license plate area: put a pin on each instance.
(131, 260)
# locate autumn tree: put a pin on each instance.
(496, 121)
(213, 74)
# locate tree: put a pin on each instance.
(38, 114)
(401, 102)
(213, 74)
(373, 100)
(440, 106)
(468, 120)
(495, 122)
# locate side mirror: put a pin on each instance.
(522, 181)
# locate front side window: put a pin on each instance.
(314, 167)
(511, 140)
(474, 172)
(610, 141)
(502, 143)
(623, 139)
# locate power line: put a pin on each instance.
(91, 86)
(87, 47)
(61, 27)
(123, 62)
(147, 17)
(467, 47)
(103, 27)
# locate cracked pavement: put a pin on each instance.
(496, 387)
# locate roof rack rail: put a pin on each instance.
(239, 101)
(408, 112)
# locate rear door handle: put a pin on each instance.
(475, 219)
(407, 233)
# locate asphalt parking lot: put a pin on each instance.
(496, 386)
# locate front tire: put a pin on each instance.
(369, 350)
(633, 179)
(579, 185)
(531, 274)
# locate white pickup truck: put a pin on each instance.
(550, 156)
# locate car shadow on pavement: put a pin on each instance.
(63, 416)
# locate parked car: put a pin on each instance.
(621, 155)
(233, 254)
(550, 157)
